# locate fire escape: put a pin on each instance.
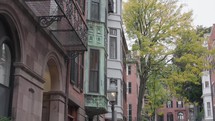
(63, 20)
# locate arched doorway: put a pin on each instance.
(51, 97)
(170, 117)
(7, 58)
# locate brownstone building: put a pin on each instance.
(42, 45)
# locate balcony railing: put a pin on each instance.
(62, 19)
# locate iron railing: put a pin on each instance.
(63, 19)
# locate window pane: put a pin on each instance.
(114, 6)
(113, 31)
(95, 10)
(83, 6)
(74, 71)
(4, 100)
(130, 112)
(82, 71)
(94, 71)
(208, 109)
(5, 65)
(169, 104)
(206, 84)
(180, 116)
(113, 49)
(129, 87)
(129, 69)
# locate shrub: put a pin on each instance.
(4, 119)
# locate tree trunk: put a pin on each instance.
(142, 88)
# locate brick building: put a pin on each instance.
(211, 44)
(173, 110)
(133, 82)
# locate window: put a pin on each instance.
(160, 117)
(95, 10)
(179, 104)
(72, 113)
(124, 90)
(121, 93)
(169, 117)
(208, 109)
(213, 89)
(206, 84)
(129, 87)
(113, 32)
(114, 6)
(130, 112)
(113, 44)
(5, 64)
(105, 74)
(77, 71)
(110, 6)
(74, 71)
(94, 71)
(169, 104)
(82, 5)
(180, 116)
(129, 69)
(5, 69)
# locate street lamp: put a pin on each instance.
(112, 96)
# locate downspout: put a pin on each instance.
(67, 88)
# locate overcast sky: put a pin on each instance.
(203, 11)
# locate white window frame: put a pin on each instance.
(113, 34)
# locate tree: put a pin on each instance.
(192, 91)
(156, 95)
(159, 28)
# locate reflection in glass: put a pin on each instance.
(5, 64)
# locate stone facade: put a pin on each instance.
(39, 70)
